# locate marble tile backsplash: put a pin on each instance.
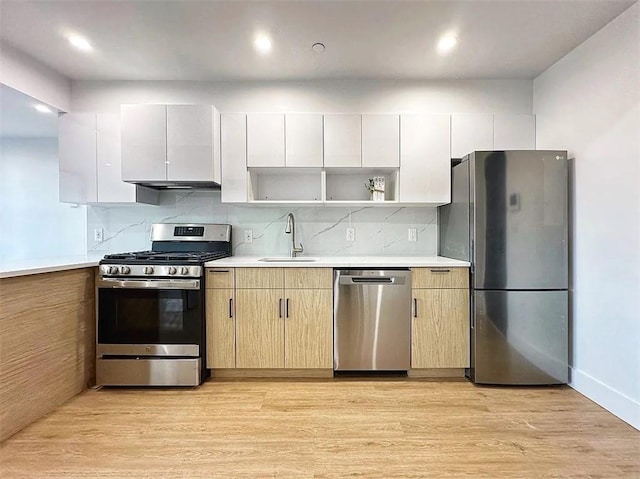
(321, 229)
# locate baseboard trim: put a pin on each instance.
(615, 402)
(437, 373)
(270, 373)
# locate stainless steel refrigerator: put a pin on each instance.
(509, 218)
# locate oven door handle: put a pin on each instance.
(149, 283)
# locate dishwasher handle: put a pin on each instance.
(371, 280)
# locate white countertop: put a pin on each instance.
(47, 265)
(342, 262)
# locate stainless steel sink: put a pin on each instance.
(288, 260)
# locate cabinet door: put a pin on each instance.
(471, 132)
(265, 139)
(190, 143)
(514, 132)
(233, 146)
(144, 142)
(303, 140)
(440, 328)
(425, 163)
(308, 329)
(342, 141)
(221, 329)
(77, 158)
(381, 141)
(111, 188)
(259, 328)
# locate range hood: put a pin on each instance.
(178, 185)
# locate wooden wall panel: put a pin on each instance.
(47, 343)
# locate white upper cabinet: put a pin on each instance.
(342, 141)
(163, 143)
(192, 147)
(233, 145)
(90, 159)
(380, 141)
(111, 188)
(425, 162)
(144, 142)
(265, 140)
(304, 140)
(77, 158)
(471, 132)
(514, 132)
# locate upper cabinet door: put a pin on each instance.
(471, 132)
(381, 141)
(425, 164)
(190, 143)
(111, 188)
(304, 144)
(265, 139)
(514, 132)
(233, 146)
(77, 158)
(342, 141)
(144, 142)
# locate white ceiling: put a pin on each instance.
(19, 118)
(212, 40)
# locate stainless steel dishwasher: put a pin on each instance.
(372, 320)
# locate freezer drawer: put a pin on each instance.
(372, 320)
(519, 337)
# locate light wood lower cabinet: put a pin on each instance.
(259, 328)
(308, 329)
(440, 328)
(274, 318)
(221, 328)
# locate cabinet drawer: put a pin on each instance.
(308, 278)
(220, 278)
(247, 278)
(440, 277)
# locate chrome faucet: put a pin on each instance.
(291, 229)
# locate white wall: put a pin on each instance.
(589, 103)
(362, 96)
(23, 73)
(33, 224)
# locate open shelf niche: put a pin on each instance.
(286, 185)
(348, 185)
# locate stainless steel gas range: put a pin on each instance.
(151, 311)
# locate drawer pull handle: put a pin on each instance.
(218, 271)
(440, 270)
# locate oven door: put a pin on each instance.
(150, 317)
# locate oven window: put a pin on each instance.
(142, 316)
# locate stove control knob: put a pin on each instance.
(147, 270)
(172, 270)
(125, 270)
(112, 270)
(184, 270)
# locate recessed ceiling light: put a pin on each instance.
(262, 43)
(447, 43)
(42, 108)
(318, 47)
(80, 43)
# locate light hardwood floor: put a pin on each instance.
(326, 428)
